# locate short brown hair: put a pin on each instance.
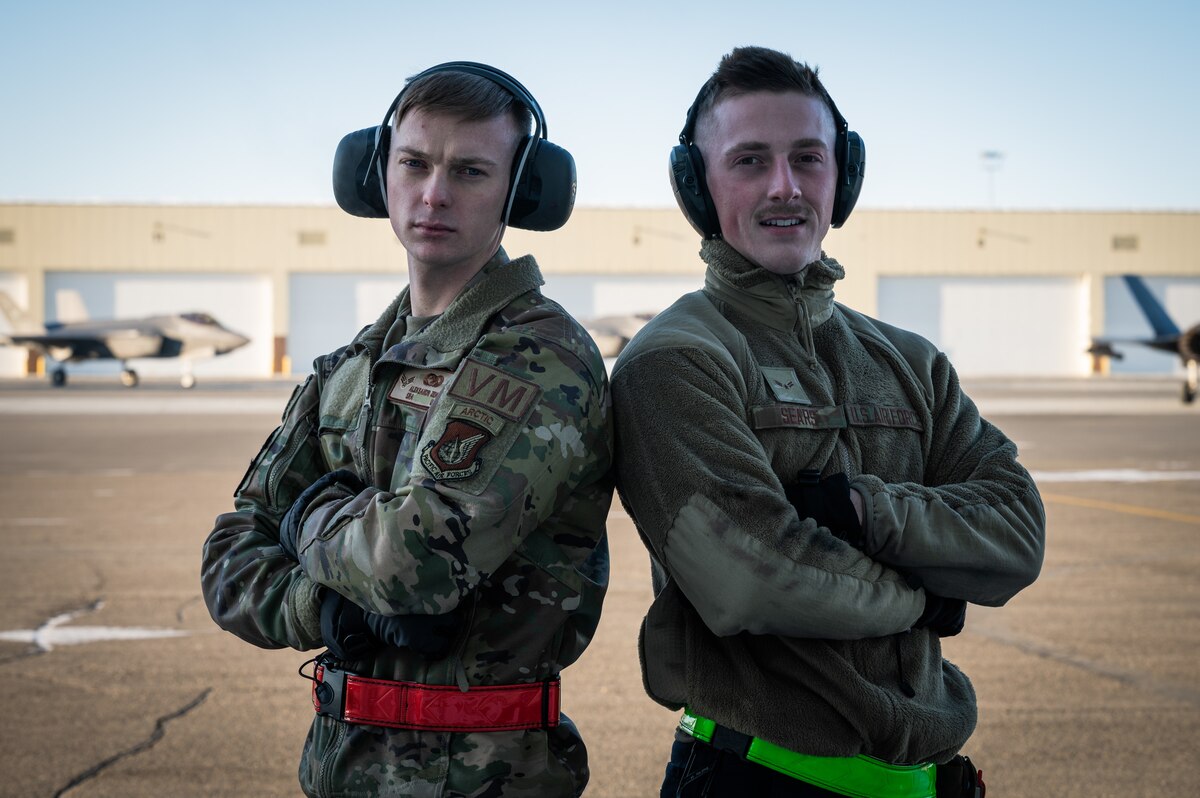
(468, 97)
(746, 70)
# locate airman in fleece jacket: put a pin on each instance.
(763, 620)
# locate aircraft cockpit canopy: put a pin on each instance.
(201, 318)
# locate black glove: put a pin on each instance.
(943, 616)
(826, 501)
(428, 635)
(344, 628)
(347, 484)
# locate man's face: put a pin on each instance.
(447, 182)
(772, 174)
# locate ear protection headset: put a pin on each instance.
(542, 183)
(691, 189)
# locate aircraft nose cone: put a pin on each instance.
(234, 341)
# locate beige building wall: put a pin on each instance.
(281, 240)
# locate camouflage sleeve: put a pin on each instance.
(252, 588)
(976, 529)
(521, 426)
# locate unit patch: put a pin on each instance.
(784, 383)
(455, 455)
(495, 389)
(418, 387)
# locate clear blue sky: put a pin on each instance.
(1094, 104)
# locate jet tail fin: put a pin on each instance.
(1151, 308)
(68, 303)
(18, 320)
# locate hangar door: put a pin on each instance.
(241, 303)
(1179, 297)
(995, 326)
(13, 358)
(325, 311)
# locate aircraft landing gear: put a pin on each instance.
(129, 378)
(187, 381)
(1189, 385)
(58, 377)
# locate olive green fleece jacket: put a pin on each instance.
(765, 621)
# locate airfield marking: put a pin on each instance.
(1127, 509)
(52, 633)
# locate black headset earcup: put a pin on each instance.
(691, 190)
(545, 192)
(356, 184)
(852, 167)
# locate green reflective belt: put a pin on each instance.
(856, 776)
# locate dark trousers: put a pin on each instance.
(697, 770)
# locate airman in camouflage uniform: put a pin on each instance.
(484, 442)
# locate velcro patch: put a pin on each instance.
(834, 417)
(455, 455)
(477, 415)
(418, 387)
(882, 416)
(784, 383)
(495, 389)
(770, 416)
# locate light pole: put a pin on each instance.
(991, 160)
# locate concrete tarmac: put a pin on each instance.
(117, 683)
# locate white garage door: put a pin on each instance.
(589, 296)
(1179, 296)
(1002, 326)
(325, 311)
(240, 303)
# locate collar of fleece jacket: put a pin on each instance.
(767, 296)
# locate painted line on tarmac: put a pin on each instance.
(53, 632)
(1127, 509)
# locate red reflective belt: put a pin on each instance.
(428, 707)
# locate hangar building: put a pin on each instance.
(1003, 293)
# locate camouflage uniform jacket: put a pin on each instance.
(766, 377)
(486, 443)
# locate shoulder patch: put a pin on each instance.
(455, 454)
(494, 389)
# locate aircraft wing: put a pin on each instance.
(121, 344)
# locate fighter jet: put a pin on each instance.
(1167, 336)
(187, 336)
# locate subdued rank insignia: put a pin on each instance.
(455, 455)
(418, 387)
(784, 383)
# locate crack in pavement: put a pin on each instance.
(1137, 680)
(158, 733)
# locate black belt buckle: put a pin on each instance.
(330, 692)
